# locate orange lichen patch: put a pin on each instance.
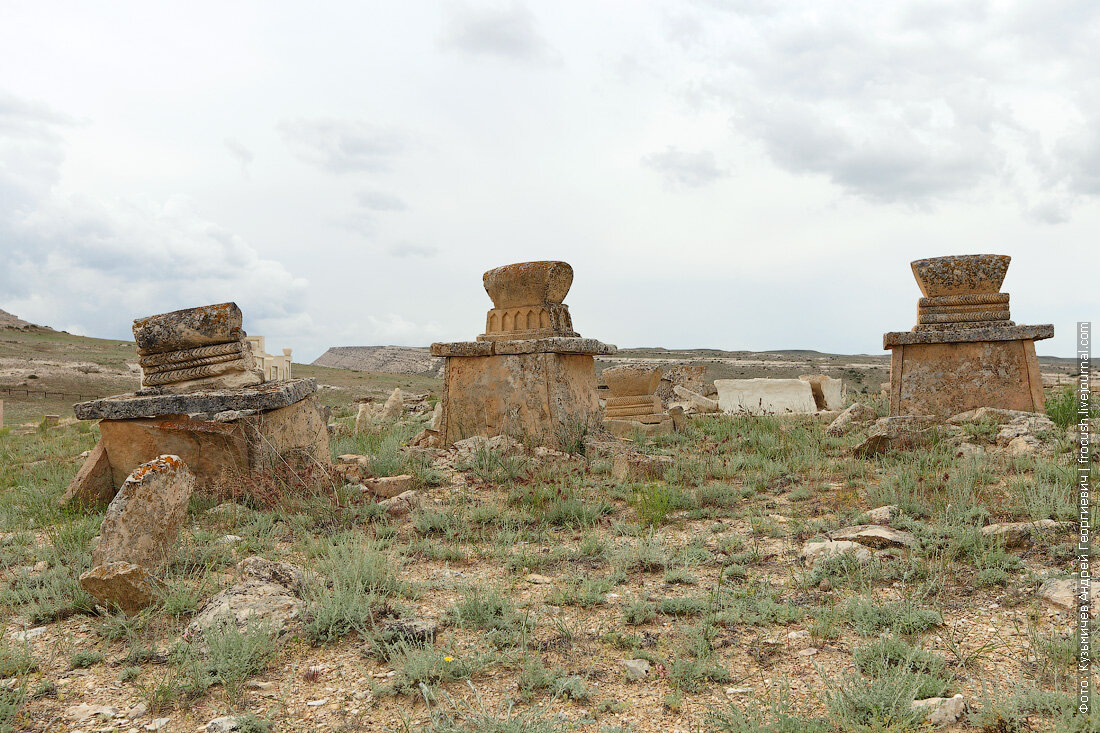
(162, 464)
(184, 423)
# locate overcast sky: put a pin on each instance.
(737, 174)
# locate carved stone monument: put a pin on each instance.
(195, 348)
(632, 403)
(964, 352)
(218, 416)
(529, 375)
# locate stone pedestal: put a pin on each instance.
(529, 375)
(217, 433)
(535, 390)
(964, 352)
(632, 404)
(761, 396)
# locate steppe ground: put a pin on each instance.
(545, 574)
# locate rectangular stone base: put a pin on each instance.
(944, 379)
(296, 434)
(627, 428)
(530, 396)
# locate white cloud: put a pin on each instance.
(685, 168)
(506, 30)
(343, 145)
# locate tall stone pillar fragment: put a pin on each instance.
(964, 352)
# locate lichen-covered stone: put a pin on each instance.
(144, 518)
(188, 328)
(960, 274)
(270, 396)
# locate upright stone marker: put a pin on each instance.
(964, 352)
(529, 375)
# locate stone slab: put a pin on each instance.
(945, 379)
(213, 449)
(94, 482)
(537, 396)
(968, 335)
(627, 428)
(554, 345)
(765, 396)
(149, 403)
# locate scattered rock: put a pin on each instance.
(1025, 445)
(269, 593)
(414, 629)
(144, 518)
(1038, 427)
(679, 419)
(224, 724)
(969, 450)
(402, 504)
(636, 669)
(93, 483)
(701, 403)
(137, 711)
(808, 652)
(29, 634)
(987, 414)
(881, 515)
(896, 433)
(537, 579)
(632, 466)
(230, 539)
(845, 421)
(1019, 534)
(158, 724)
(82, 712)
(875, 536)
(437, 416)
(389, 486)
(124, 585)
(1061, 593)
(942, 710)
(731, 691)
(394, 406)
(813, 551)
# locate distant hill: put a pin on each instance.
(10, 322)
(387, 359)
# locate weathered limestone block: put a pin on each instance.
(144, 518)
(765, 396)
(537, 382)
(632, 405)
(195, 348)
(701, 403)
(122, 584)
(527, 299)
(394, 407)
(214, 449)
(845, 421)
(93, 483)
(945, 379)
(686, 376)
(828, 392)
(964, 353)
(540, 396)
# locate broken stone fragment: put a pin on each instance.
(188, 328)
(636, 669)
(631, 466)
(845, 421)
(875, 536)
(269, 594)
(894, 433)
(394, 407)
(813, 551)
(942, 710)
(1019, 534)
(880, 515)
(402, 504)
(988, 414)
(702, 404)
(121, 585)
(144, 518)
(1061, 594)
(93, 483)
(389, 486)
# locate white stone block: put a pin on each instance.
(765, 396)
